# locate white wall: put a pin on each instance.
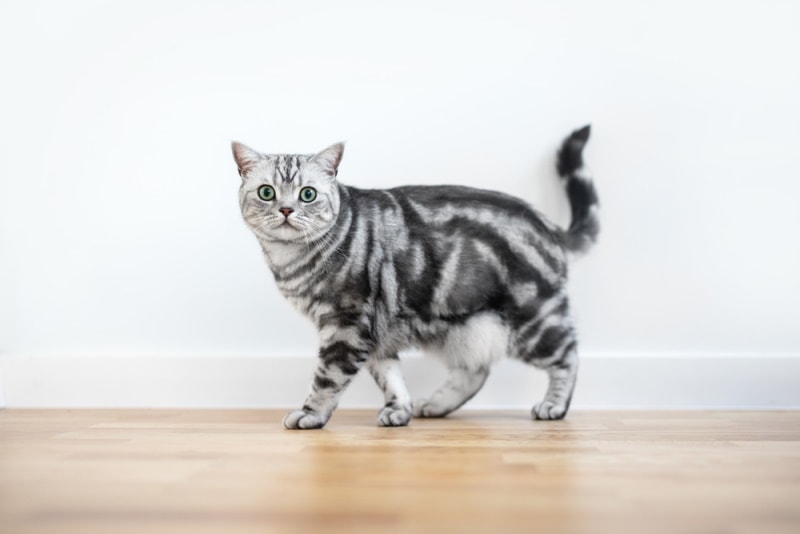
(120, 226)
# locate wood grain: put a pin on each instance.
(199, 471)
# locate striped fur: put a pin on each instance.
(466, 274)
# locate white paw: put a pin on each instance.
(426, 408)
(389, 416)
(549, 411)
(303, 420)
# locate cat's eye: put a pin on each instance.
(266, 192)
(308, 194)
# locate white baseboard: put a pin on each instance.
(621, 381)
(2, 395)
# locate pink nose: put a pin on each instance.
(285, 211)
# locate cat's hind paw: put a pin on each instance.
(391, 416)
(302, 420)
(426, 408)
(547, 410)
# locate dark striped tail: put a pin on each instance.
(585, 225)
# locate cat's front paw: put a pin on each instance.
(548, 410)
(301, 420)
(391, 416)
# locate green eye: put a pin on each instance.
(308, 194)
(266, 192)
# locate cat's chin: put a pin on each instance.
(285, 232)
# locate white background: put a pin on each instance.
(119, 224)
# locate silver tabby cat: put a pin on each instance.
(466, 274)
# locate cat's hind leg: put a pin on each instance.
(468, 351)
(563, 374)
(389, 377)
(461, 385)
(549, 343)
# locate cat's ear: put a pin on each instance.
(329, 158)
(246, 158)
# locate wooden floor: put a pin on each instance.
(76, 471)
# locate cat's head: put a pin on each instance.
(286, 197)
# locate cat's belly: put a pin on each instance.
(477, 343)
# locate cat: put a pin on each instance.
(467, 274)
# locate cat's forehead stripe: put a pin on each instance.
(288, 165)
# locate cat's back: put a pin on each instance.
(474, 224)
(441, 252)
(439, 196)
(452, 206)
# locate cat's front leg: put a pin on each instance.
(389, 377)
(339, 361)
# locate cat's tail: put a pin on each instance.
(585, 225)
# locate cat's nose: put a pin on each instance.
(285, 211)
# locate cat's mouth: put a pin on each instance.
(286, 226)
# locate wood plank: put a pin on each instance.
(238, 471)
